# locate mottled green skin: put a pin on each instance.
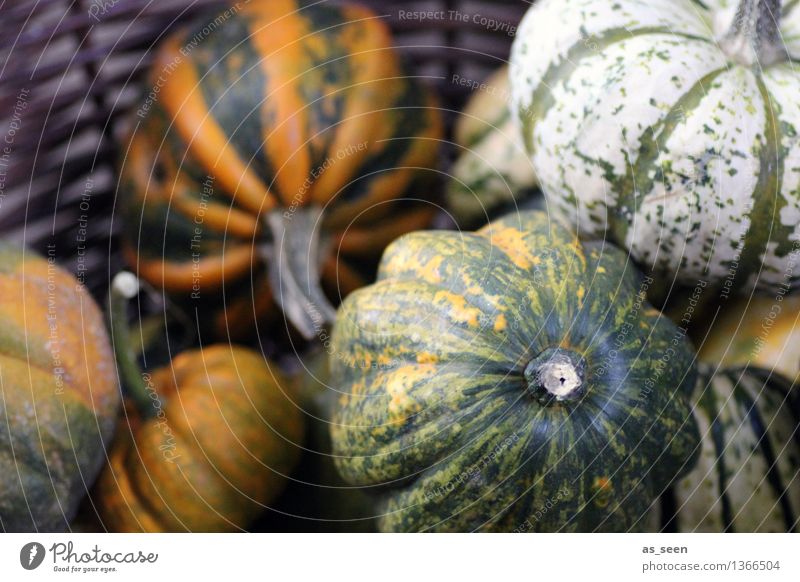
(436, 408)
(748, 476)
(58, 393)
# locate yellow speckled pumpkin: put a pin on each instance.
(58, 392)
(486, 374)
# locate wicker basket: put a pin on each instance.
(69, 75)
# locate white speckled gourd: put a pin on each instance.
(671, 127)
(747, 478)
(493, 170)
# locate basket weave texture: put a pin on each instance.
(71, 70)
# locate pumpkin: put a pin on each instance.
(748, 475)
(669, 126)
(492, 170)
(59, 392)
(209, 440)
(511, 379)
(759, 331)
(283, 142)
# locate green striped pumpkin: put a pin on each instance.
(257, 123)
(492, 170)
(748, 475)
(656, 123)
(511, 379)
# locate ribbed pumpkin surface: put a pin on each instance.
(58, 392)
(493, 171)
(748, 476)
(444, 366)
(219, 447)
(281, 106)
(645, 126)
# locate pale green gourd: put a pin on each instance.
(669, 126)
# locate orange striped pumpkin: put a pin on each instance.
(279, 109)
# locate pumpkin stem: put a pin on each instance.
(294, 264)
(754, 39)
(556, 374)
(125, 287)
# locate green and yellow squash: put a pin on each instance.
(207, 442)
(511, 379)
(669, 126)
(748, 475)
(280, 145)
(492, 171)
(58, 392)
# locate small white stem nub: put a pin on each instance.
(124, 287)
(126, 284)
(560, 378)
(556, 375)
